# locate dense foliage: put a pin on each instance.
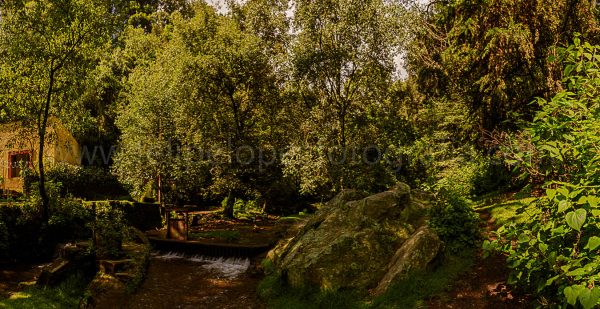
(271, 105)
(214, 106)
(453, 219)
(85, 182)
(45, 51)
(556, 251)
(494, 57)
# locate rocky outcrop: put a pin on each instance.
(356, 240)
(415, 254)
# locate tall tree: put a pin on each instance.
(213, 89)
(233, 97)
(343, 61)
(46, 45)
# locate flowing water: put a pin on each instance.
(229, 268)
(179, 281)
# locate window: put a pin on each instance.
(16, 161)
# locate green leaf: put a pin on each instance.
(593, 201)
(551, 280)
(576, 219)
(551, 193)
(523, 238)
(563, 205)
(576, 272)
(575, 193)
(593, 243)
(572, 292)
(568, 69)
(589, 298)
(563, 191)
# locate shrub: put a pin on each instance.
(27, 237)
(454, 220)
(143, 216)
(110, 230)
(555, 253)
(78, 181)
(247, 209)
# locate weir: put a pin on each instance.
(208, 248)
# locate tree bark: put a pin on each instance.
(159, 185)
(42, 125)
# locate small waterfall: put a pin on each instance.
(228, 268)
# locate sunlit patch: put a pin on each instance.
(20, 295)
(221, 283)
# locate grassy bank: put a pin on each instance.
(66, 295)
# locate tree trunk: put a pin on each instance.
(228, 211)
(159, 185)
(42, 125)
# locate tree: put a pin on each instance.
(46, 46)
(343, 61)
(495, 57)
(233, 100)
(211, 93)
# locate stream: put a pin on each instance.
(178, 281)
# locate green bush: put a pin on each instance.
(491, 176)
(555, 253)
(247, 209)
(110, 230)
(24, 236)
(453, 218)
(82, 182)
(143, 216)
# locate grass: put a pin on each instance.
(414, 290)
(279, 296)
(65, 295)
(518, 210)
(411, 292)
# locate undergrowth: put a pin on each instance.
(66, 295)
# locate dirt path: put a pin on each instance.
(484, 286)
(175, 282)
(481, 288)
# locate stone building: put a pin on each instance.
(19, 147)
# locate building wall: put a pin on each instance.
(60, 146)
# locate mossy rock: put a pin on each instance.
(350, 241)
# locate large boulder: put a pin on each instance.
(415, 254)
(351, 242)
